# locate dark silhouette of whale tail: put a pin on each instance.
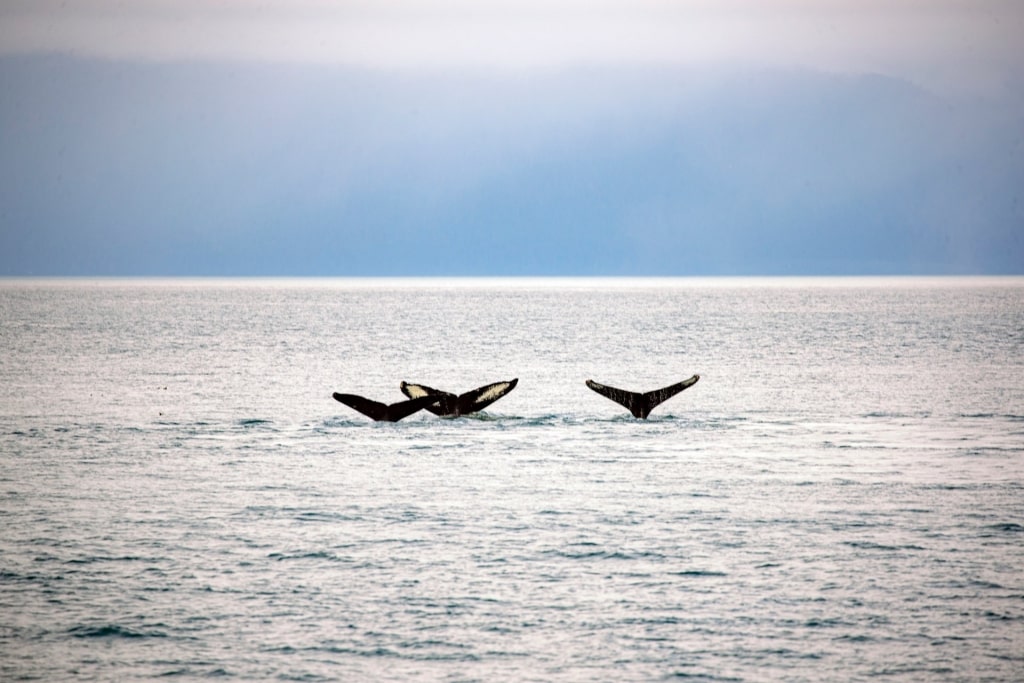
(382, 412)
(447, 404)
(641, 404)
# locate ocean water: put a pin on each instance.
(840, 497)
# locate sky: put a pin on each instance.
(563, 137)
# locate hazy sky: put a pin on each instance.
(941, 43)
(527, 137)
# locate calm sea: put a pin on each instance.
(840, 497)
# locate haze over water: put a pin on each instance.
(840, 497)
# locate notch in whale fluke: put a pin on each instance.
(641, 404)
(447, 404)
(382, 412)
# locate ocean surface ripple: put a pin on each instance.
(841, 496)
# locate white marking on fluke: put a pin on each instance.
(447, 404)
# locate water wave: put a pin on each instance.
(115, 631)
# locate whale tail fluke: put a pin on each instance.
(449, 405)
(381, 412)
(444, 403)
(641, 404)
(481, 397)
